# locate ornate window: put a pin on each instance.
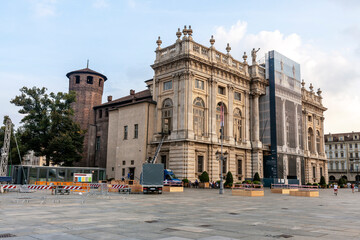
(318, 141)
(200, 164)
(310, 139)
(167, 107)
(237, 125)
(167, 85)
(218, 119)
(199, 117)
(199, 84)
(237, 96)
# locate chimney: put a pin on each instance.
(132, 92)
(109, 98)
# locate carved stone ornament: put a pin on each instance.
(212, 40)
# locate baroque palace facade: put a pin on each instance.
(191, 82)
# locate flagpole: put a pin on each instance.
(221, 191)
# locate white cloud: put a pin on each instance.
(44, 8)
(332, 71)
(100, 4)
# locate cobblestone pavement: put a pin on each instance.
(193, 214)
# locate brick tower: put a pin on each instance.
(89, 86)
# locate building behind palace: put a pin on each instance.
(272, 125)
(342, 150)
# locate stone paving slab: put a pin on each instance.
(194, 214)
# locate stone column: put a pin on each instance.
(212, 111)
(314, 132)
(322, 142)
(189, 110)
(305, 132)
(176, 110)
(230, 119)
(157, 127)
(297, 145)
(256, 154)
(284, 124)
(255, 117)
(247, 118)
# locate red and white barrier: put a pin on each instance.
(94, 185)
(72, 187)
(119, 186)
(38, 187)
(9, 186)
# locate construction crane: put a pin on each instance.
(5, 149)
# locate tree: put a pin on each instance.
(204, 177)
(48, 127)
(256, 177)
(229, 179)
(322, 181)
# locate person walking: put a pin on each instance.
(335, 189)
(352, 188)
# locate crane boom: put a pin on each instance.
(5, 149)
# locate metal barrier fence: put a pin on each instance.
(249, 187)
(172, 184)
(285, 186)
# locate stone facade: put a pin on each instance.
(190, 83)
(130, 123)
(313, 135)
(342, 150)
(89, 86)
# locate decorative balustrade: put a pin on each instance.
(202, 52)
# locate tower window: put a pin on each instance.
(100, 80)
(106, 112)
(77, 79)
(89, 80)
(100, 113)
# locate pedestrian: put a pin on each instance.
(196, 183)
(352, 188)
(335, 189)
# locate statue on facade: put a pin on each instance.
(253, 55)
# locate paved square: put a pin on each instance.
(194, 214)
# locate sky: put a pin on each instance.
(42, 40)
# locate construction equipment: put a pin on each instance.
(5, 149)
(158, 149)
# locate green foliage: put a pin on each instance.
(322, 181)
(229, 179)
(256, 177)
(48, 127)
(342, 182)
(315, 184)
(185, 180)
(256, 182)
(204, 177)
(247, 182)
(309, 184)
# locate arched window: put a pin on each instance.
(332, 178)
(310, 139)
(318, 141)
(237, 125)
(100, 80)
(218, 118)
(166, 116)
(199, 117)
